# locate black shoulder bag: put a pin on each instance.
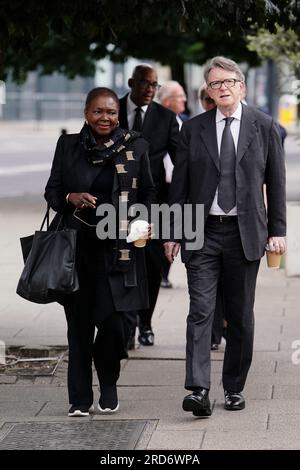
(50, 270)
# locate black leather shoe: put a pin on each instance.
(234, 401)
(146, 337)
(198, 402)
(214, 347)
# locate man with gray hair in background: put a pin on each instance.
(171, 95)
(224, 158)
(158, 126)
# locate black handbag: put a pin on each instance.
(26, 242)
(50, 269)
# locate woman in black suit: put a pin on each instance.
(103, 164)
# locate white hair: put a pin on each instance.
(167, 89)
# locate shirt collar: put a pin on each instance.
(236, 115)
(131, 106)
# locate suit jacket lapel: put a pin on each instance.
(148, 121)
(123, 113)
(247, 132)
(149, 118)
(246, 135)
(209, 137)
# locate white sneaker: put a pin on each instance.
(108, 402)
(108, 410)
(79, 411)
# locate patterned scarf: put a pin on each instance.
(119, 149)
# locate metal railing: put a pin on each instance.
(43, 106)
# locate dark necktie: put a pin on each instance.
(138, 123)
(227, 185)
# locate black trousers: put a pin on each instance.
(221, 255)
(219, 316)
(154, 264)
(106, 349)
(166, 268)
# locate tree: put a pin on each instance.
(69, 36)
(283, 47)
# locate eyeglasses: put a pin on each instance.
(146, 84)
(228, 82)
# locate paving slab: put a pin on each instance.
(187, 440)
(151, 386)
(252, 440)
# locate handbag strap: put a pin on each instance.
(46, 218)
(59, 222)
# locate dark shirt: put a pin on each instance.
(101, 188)
(104, 182)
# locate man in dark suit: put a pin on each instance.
(224, 158)
(159, 127)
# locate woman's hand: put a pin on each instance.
(151, 233)
(82, 200)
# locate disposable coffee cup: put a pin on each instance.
(140, 243)
(138, 233)
(273, 259)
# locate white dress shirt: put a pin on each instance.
(235, 131)
(131, 107)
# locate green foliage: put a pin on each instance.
(283, 46)
(68, 35)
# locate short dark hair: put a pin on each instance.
(140, 69)
(101, 91)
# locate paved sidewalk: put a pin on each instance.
(151, 383)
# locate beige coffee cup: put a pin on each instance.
(273, 259)
(138, 233)
(140, 243)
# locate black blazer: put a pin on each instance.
(260, 159)
(71, 172)
(161, 130)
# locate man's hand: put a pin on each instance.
(171, 250)
(277, 244)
